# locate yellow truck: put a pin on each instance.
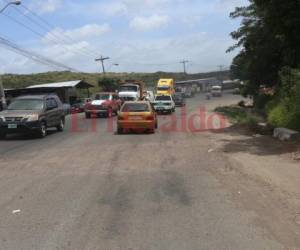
(165, 87)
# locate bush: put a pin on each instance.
(240, 115)
(261, 100)
(286, 113)
(278, 116)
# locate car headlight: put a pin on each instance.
(2, 119)
(31, 118)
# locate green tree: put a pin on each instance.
(269, 40)
(108, 84)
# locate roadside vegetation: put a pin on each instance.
(238, 114)
(269, 59)
(96, 79)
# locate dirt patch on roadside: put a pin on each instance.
(242, 139)
(263, 175)
(273, 207)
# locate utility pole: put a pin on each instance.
(221, 67)
(102, 59)
(184, 62)
(2, 96)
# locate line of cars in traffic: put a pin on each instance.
(135, 108)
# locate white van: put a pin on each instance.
(216, 91)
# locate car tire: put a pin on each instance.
(61, 125)
(87, 115)
(2, 136)
(42, 132)
(152, 131)
(120, 131)
(156, 125)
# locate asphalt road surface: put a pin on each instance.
(88, 188)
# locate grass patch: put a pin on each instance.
(240, 115)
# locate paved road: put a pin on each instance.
(98, 190)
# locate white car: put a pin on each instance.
(164, 103)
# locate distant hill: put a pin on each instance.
(20, 81)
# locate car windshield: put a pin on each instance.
(163, 98)
(27, 104)
(128, 89)
(102, 97)
(135, 107)
(177, 96)
(163, 88)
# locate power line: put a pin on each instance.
(45, 38)
(34, 56)
(47, 26)
(146, 64)
(55, 38)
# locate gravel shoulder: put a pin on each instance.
(263, 175)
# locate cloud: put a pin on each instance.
(88, 31)
(45, 6)
(203, 50)
(126, 7)
(191, 20)
(108, 9)
(65, 53)
(149, 23)
(196, 30)
(229, 5)
(148, 3)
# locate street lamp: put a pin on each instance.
(113, 65)
(10, 3)
(2, 94)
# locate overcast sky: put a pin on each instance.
(139, 35)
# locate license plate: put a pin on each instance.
(12, 126)
(135, 118)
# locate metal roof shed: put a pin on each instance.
(65, 90)
(80, 84)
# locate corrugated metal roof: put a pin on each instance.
(70, 84)
(197, 80)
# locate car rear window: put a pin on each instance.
(102, 97)
(135, 107)
(163, 98)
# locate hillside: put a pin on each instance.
(20, 81)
